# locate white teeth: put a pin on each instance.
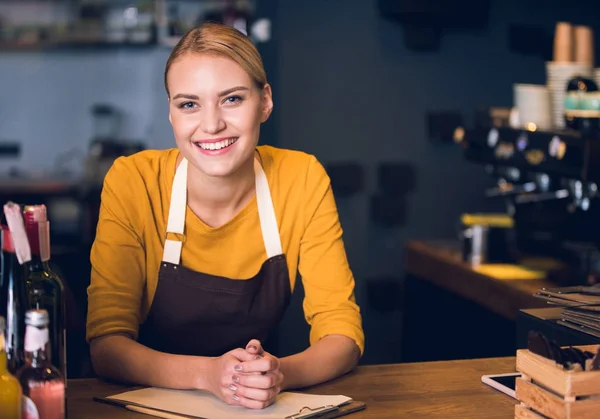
(217, 146)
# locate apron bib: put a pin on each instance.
(194, 313)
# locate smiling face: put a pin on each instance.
(216, 110)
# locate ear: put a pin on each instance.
(169, 105)
(266, 103)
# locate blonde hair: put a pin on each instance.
(224, 41)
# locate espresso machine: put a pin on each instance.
(548, 182)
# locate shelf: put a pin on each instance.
(54, 46)
(87, 25)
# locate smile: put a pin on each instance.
(217, 145)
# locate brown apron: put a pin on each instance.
(194, 313)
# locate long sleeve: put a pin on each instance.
(117, 256)
(329, 305)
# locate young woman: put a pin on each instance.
(198, 247)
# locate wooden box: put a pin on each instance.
(547, 390)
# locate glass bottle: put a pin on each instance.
(13, 297)
(42, 384)
(45, 288)
(10, 389)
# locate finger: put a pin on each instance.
(264, 364)
(251, 404)
(254, 347)
(264, 382)
(261, 395)
(242, 355)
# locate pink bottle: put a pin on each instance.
(42, 383)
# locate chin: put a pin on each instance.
(214, 169)
(219, 168)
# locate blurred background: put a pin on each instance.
(459, 136)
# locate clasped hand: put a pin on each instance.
(247, 377)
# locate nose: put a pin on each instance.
(211, 122)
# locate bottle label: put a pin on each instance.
(35, 339)
(30, 410)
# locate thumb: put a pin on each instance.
(254, 347)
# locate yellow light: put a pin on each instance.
(459, 135)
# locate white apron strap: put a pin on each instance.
(177, 209)
(266, 212)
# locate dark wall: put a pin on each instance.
(351, 91)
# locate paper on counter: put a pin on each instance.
(204, 405)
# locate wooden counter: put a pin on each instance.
(440, 263)
(449, 389)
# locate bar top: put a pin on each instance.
(446, 389)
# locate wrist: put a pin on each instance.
(290, 367)
(202, 373)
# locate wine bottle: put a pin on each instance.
(42, 384)
(10, 388)
(13, 296)
(46, 290)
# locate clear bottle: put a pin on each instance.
(13, 297)
(42, 384)
(45, 288)
(10, 389)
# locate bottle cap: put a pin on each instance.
(35, 224)
(38, 318)
(35, 213)
(20, 242)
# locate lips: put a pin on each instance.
(216, 145)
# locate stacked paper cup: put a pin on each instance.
(532, 103)
(573, 56)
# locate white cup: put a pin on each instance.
(533, 105)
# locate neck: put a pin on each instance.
(36, 263)
(36, 358)
(222, 195)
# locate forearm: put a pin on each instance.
(328, 358)
(120, 358)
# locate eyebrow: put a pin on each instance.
(233, 89)
(220, 94)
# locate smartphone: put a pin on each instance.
(506, 383)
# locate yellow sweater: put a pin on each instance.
(128, 248)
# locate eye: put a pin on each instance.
(233, 99)
(186, 105)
